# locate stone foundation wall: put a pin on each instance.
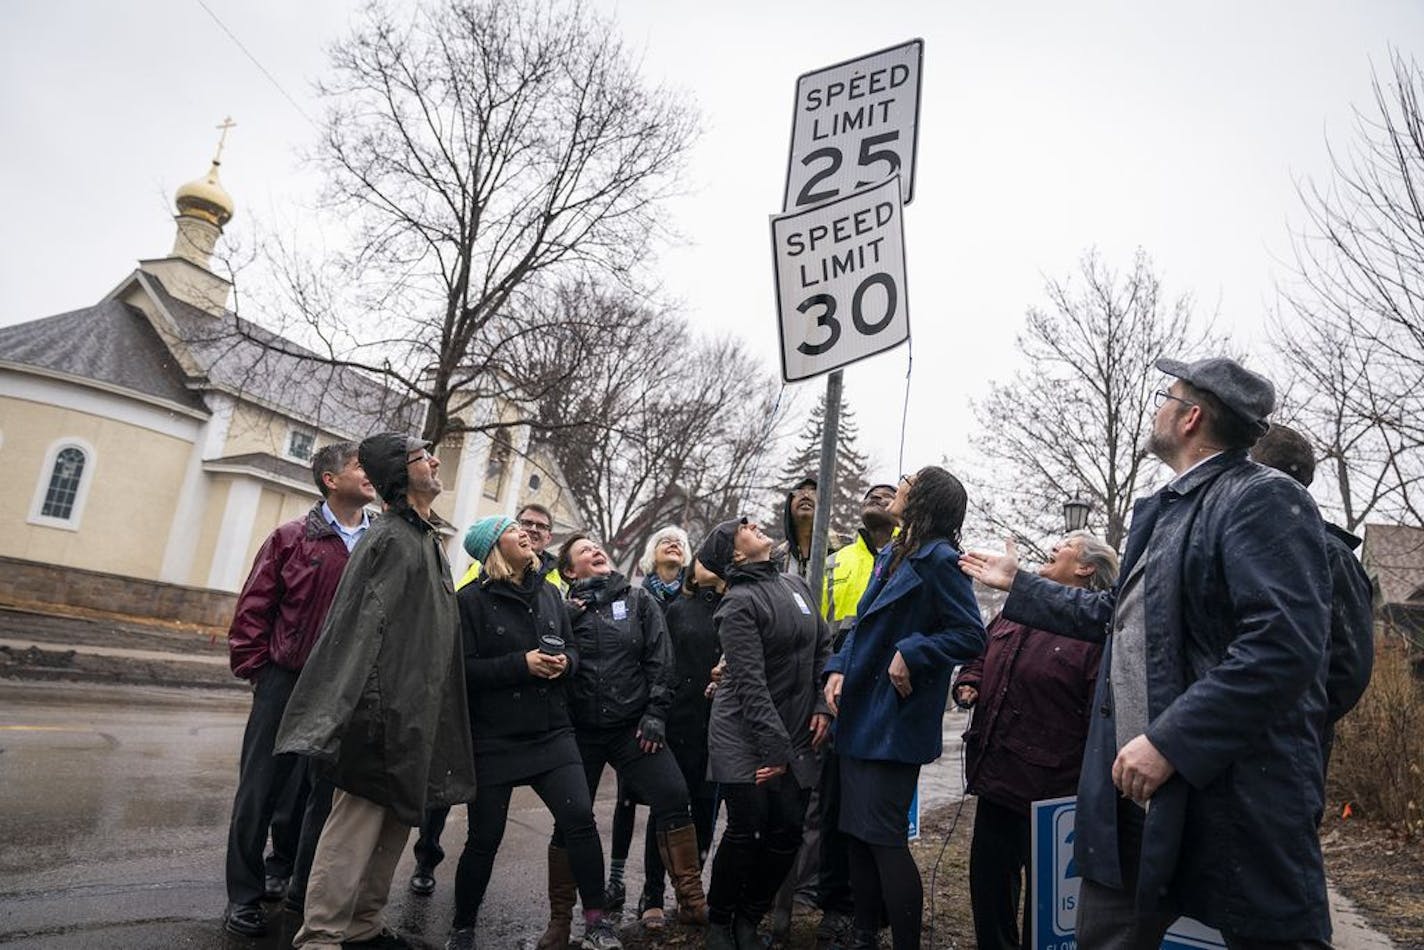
(33, 583)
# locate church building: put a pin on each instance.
(154, 438)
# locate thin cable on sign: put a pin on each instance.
(905, 410)
(262, 69)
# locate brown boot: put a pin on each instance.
(678, 849)
(563, 891)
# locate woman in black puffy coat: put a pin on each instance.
(620, 696)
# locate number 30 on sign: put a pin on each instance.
(840, 280)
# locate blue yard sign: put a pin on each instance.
(915, 814)
(1055, 878)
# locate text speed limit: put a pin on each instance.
(855, 124)
(840, 281)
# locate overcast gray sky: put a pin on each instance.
(1046, 128)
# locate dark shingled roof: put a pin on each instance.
(110, 342)
(239, 355)
(271, 464)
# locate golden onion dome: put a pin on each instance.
(205, 198)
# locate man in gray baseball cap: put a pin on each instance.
(1211, 693)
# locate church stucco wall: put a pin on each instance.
(208, 529)
(133, 476)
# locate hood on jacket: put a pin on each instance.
(788, 522)
(383, 457)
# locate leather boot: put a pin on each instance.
(721, 937)
(864, 939)
(678, 849)
(563, 892)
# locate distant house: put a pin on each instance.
(1394, 557)
(154, 438)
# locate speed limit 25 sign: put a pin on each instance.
(854, 125)
(840, 280)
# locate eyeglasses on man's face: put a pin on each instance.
(424, 456)
(537, 527)
(1161, 396)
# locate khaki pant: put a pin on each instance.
(360, 846)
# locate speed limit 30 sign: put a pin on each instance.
(840, 280)
(854, 126)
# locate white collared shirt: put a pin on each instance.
(1197, 464)
(349, 536)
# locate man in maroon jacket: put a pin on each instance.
(1032, 691)
(280, 611)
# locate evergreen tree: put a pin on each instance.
(850, 482)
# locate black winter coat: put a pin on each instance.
(1237, 617)
(694, 645)
(513, 713)
(624, 659)
(776, 644)
(1352, 634)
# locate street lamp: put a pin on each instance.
(1075, 514)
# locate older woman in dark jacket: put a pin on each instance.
(515, 629)
(1032, 693)
(621, 693)
(767, 716)
(888, 686)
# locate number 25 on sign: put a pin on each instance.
(854, 125)
(840, 280)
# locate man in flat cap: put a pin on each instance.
(1201, 783)
(380, 705)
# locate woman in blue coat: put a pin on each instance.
(888, 686)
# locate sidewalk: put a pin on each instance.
(1352, 932)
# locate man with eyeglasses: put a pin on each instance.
(538, 524)
(380, 707)
(1201, 785)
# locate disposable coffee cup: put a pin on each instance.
(551, 644)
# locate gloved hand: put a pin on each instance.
(652, 730)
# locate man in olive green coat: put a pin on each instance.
(380, 705)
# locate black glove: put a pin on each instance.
(652, 729)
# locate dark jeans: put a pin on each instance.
(287, 823)
(692, 761)
(654, 779)
(564, 791)
(758, 847)
(261, 777)
(998, 860)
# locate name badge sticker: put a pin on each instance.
(801, 603)
(620, 610)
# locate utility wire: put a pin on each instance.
(262, 69)
(905, 410)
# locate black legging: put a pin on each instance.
(565, 793)
(654, 778)
(758, 847)
(886, 875)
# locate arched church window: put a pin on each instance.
(63, 483)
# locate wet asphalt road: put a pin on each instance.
(114, 804)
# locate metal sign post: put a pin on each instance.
(841, 272)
